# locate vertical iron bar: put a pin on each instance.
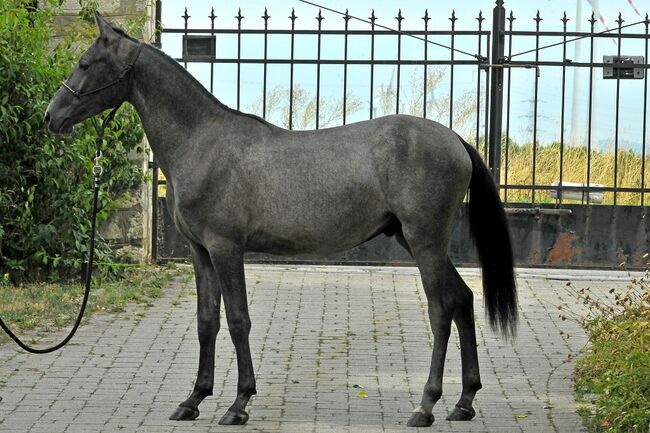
(645, 114)
(537, 20)
(293, 35)
(158, 25)
(372, 62)
(239, 18)
(511, 19)
(453, 20)
(266, 17)
(620, 22)
(212, 16)
(346, 17)
(560, 189)
(185, 17)
(320, 20)
(154, 162)
(486, 114)
(480, 20)
(399, 19)
(426, 58)
(592, 21)
(496, 85)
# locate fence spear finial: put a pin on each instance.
(185, 17)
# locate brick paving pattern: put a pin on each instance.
(317, 332)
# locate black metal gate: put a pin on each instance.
(572, 200)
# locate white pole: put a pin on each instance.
(575, 104)
(595, 136)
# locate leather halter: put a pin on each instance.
(128, 68)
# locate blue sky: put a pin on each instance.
(522, 89)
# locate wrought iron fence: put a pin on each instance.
(594, 173)
(548, 157)
(612, 184)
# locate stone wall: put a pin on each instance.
(129, 228)
(116, 11)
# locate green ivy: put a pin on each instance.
(46, 179)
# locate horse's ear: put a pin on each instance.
(105, 29)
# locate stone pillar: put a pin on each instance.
(128, 228)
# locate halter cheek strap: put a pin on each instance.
(123, 74)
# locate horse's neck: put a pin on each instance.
(173, 107)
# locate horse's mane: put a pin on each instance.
(184, 71)
(123, 33)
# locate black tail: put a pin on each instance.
(489, 227)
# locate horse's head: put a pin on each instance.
(100, 80)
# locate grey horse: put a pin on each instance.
(237, 183)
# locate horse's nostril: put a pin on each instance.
(46, 119)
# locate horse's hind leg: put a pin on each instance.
(208, 306)
(464, 319)
(432, 263)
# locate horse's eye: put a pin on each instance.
(84, 66)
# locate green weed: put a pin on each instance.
(613, 375)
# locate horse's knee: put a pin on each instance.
(239, 326)
(208, 328)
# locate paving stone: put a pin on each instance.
(317, 331)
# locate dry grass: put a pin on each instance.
(33, 308)
(575, 159)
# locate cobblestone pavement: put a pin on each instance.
(317, 332)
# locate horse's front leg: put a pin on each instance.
(228, 262)
(208, 310)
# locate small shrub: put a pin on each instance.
(616, 368)
(45, 179)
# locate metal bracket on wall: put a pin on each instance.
(624, 67)
(537, 211)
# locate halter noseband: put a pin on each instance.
(119, 79)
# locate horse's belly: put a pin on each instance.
(321, 229)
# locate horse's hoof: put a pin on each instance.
(461, 414)
(234, 418)
(420, 419)
(184, 413)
